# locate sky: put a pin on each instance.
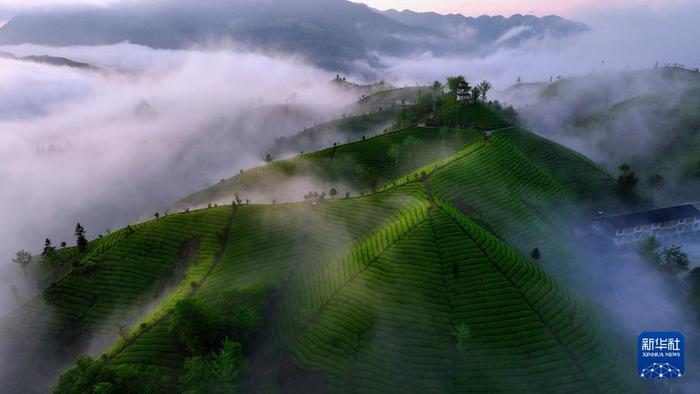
(508, 7)
(567, 8)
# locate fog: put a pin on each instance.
(112, 147)
(633, 36)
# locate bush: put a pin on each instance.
(92, 376)
(241, 307)
(219, 373)
(198, 325)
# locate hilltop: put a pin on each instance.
(423, 266)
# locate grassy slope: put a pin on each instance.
(337, 131)
(337, 167)
(669, 142)
(390, 98)
(371, 291)
(406, 283)
(121, 272)
(477, 116)
(679, 117)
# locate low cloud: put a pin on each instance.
(626, 37)
(111, 147)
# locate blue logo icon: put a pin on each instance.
(661, 355)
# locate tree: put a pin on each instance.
(454, 83)
(96, 376)
(333, 193)
(675, 258)
(519, 80)
(268, 158)
(438, 87)
(157, 215)
(484, 87)
(229, 367)
(23, 258)
(83, 378)
(536, 255)
(220, 373)
(627, 183)
(649, 250)
(475, 94)
(393, 154)
(81, 241)
(123, 330)
(49, 250)
(198, 325)
(63, 244)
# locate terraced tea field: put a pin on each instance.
(350, 168)
(419, 287)
(136, 266)
(386, 294)
(578, 173)
(476, 116)
(339, 131)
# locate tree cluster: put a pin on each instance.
(627, 184)
(478, 92)
(671, 258)
(213, 333)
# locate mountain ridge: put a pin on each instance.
(333, 34)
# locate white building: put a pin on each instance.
(462, 93)
(677, 222)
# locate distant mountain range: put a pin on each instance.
(50, 60)
(331, 33)
(490, 30)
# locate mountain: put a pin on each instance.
(50, 60)
(331, 33)
(596, 113)
(489, 31)
(419, 286)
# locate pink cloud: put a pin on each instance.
(509, 7)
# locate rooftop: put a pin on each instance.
(651, 216)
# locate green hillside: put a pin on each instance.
(389, 293)
(392, 98)
(672, 154)
(419, 287)
(148, 263)
(338, 131)
(355, 168)
(478, 116)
